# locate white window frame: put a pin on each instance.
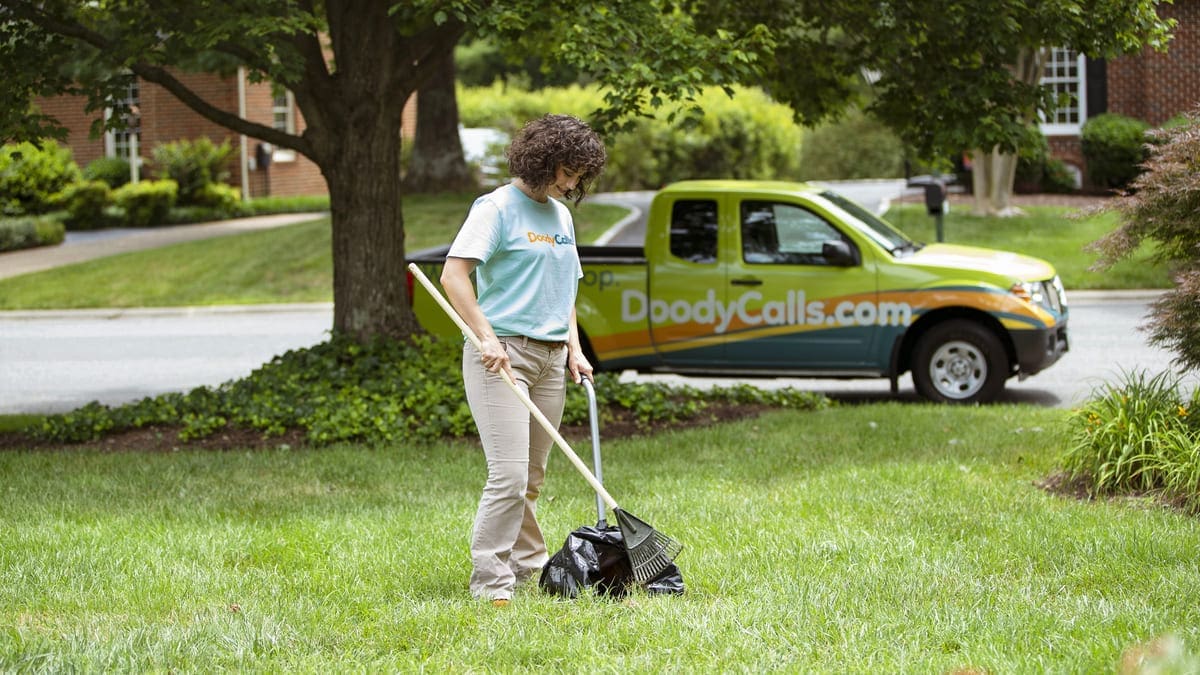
(111, 146)
(1075, 84)
(288, 111)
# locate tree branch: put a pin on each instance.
(229, 120)
(161, 77)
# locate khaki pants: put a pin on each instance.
(506, 541)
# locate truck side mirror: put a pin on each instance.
(838, 253)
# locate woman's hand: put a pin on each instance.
(494, 357)
(579, 366)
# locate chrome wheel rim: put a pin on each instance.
(958, 370)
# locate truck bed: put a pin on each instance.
(620, 255)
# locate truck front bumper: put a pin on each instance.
(1039, 349)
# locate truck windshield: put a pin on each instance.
(895, 241)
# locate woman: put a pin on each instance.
(519, 241)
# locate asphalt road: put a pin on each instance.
(57, 361)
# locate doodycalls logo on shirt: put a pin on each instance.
(536, 237)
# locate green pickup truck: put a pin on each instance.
(770, 279)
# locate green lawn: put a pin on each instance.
(1047, 232)
(880, 538)
(287, 264)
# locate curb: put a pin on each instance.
(149, 312)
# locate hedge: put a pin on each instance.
(30, 231)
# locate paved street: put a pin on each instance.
(58, 360)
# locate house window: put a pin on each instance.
(283, 118)
(281, 110)
(120, 143)
(1064, 74)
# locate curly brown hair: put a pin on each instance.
(551, 141)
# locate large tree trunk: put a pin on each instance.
(992, 175)
(370, 289)
(993, 172)
(437, 163)
(357, 146)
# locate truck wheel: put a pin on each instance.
(959, 361)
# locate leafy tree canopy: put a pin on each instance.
(939, 72)
(351, 65)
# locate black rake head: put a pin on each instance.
(650, 551)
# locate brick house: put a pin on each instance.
(1148, 86)
(163, 119)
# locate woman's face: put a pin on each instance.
(565, 181)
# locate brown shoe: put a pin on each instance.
(500, 602)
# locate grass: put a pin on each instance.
(882, 538)
(1047, 232)
(286, 264)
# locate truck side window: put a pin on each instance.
(784, 234)
(694, 230)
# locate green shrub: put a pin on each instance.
(748, 136)
(1057, 178)
(114, 171)
(218, 196)
(1114, 147)
(193, 165)
(85, 202)
(1140, 435)
(30, 231)
(146, 203)
(856, 146)
(509, 107)
(386, 392)
(32, 178)
(1037, 171)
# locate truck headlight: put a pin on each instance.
(1048, 294)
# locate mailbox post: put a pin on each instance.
(262, 160)
(935, 198)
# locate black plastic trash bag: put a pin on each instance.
(595, 557)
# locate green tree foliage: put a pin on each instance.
(351, 66)
(1163, 207)
(941, 73)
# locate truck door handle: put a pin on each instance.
(750, 281)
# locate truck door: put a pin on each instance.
(799, 290)
(686, 287)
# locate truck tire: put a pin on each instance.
(959, 361)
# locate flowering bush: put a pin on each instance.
(1141, 435)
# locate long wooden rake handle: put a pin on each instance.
(533, 409)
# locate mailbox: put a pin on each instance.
(262, 156)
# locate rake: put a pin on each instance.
(650, 551)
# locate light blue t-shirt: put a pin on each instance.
(529, 270)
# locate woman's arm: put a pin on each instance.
(577, 363)
(456, 280)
